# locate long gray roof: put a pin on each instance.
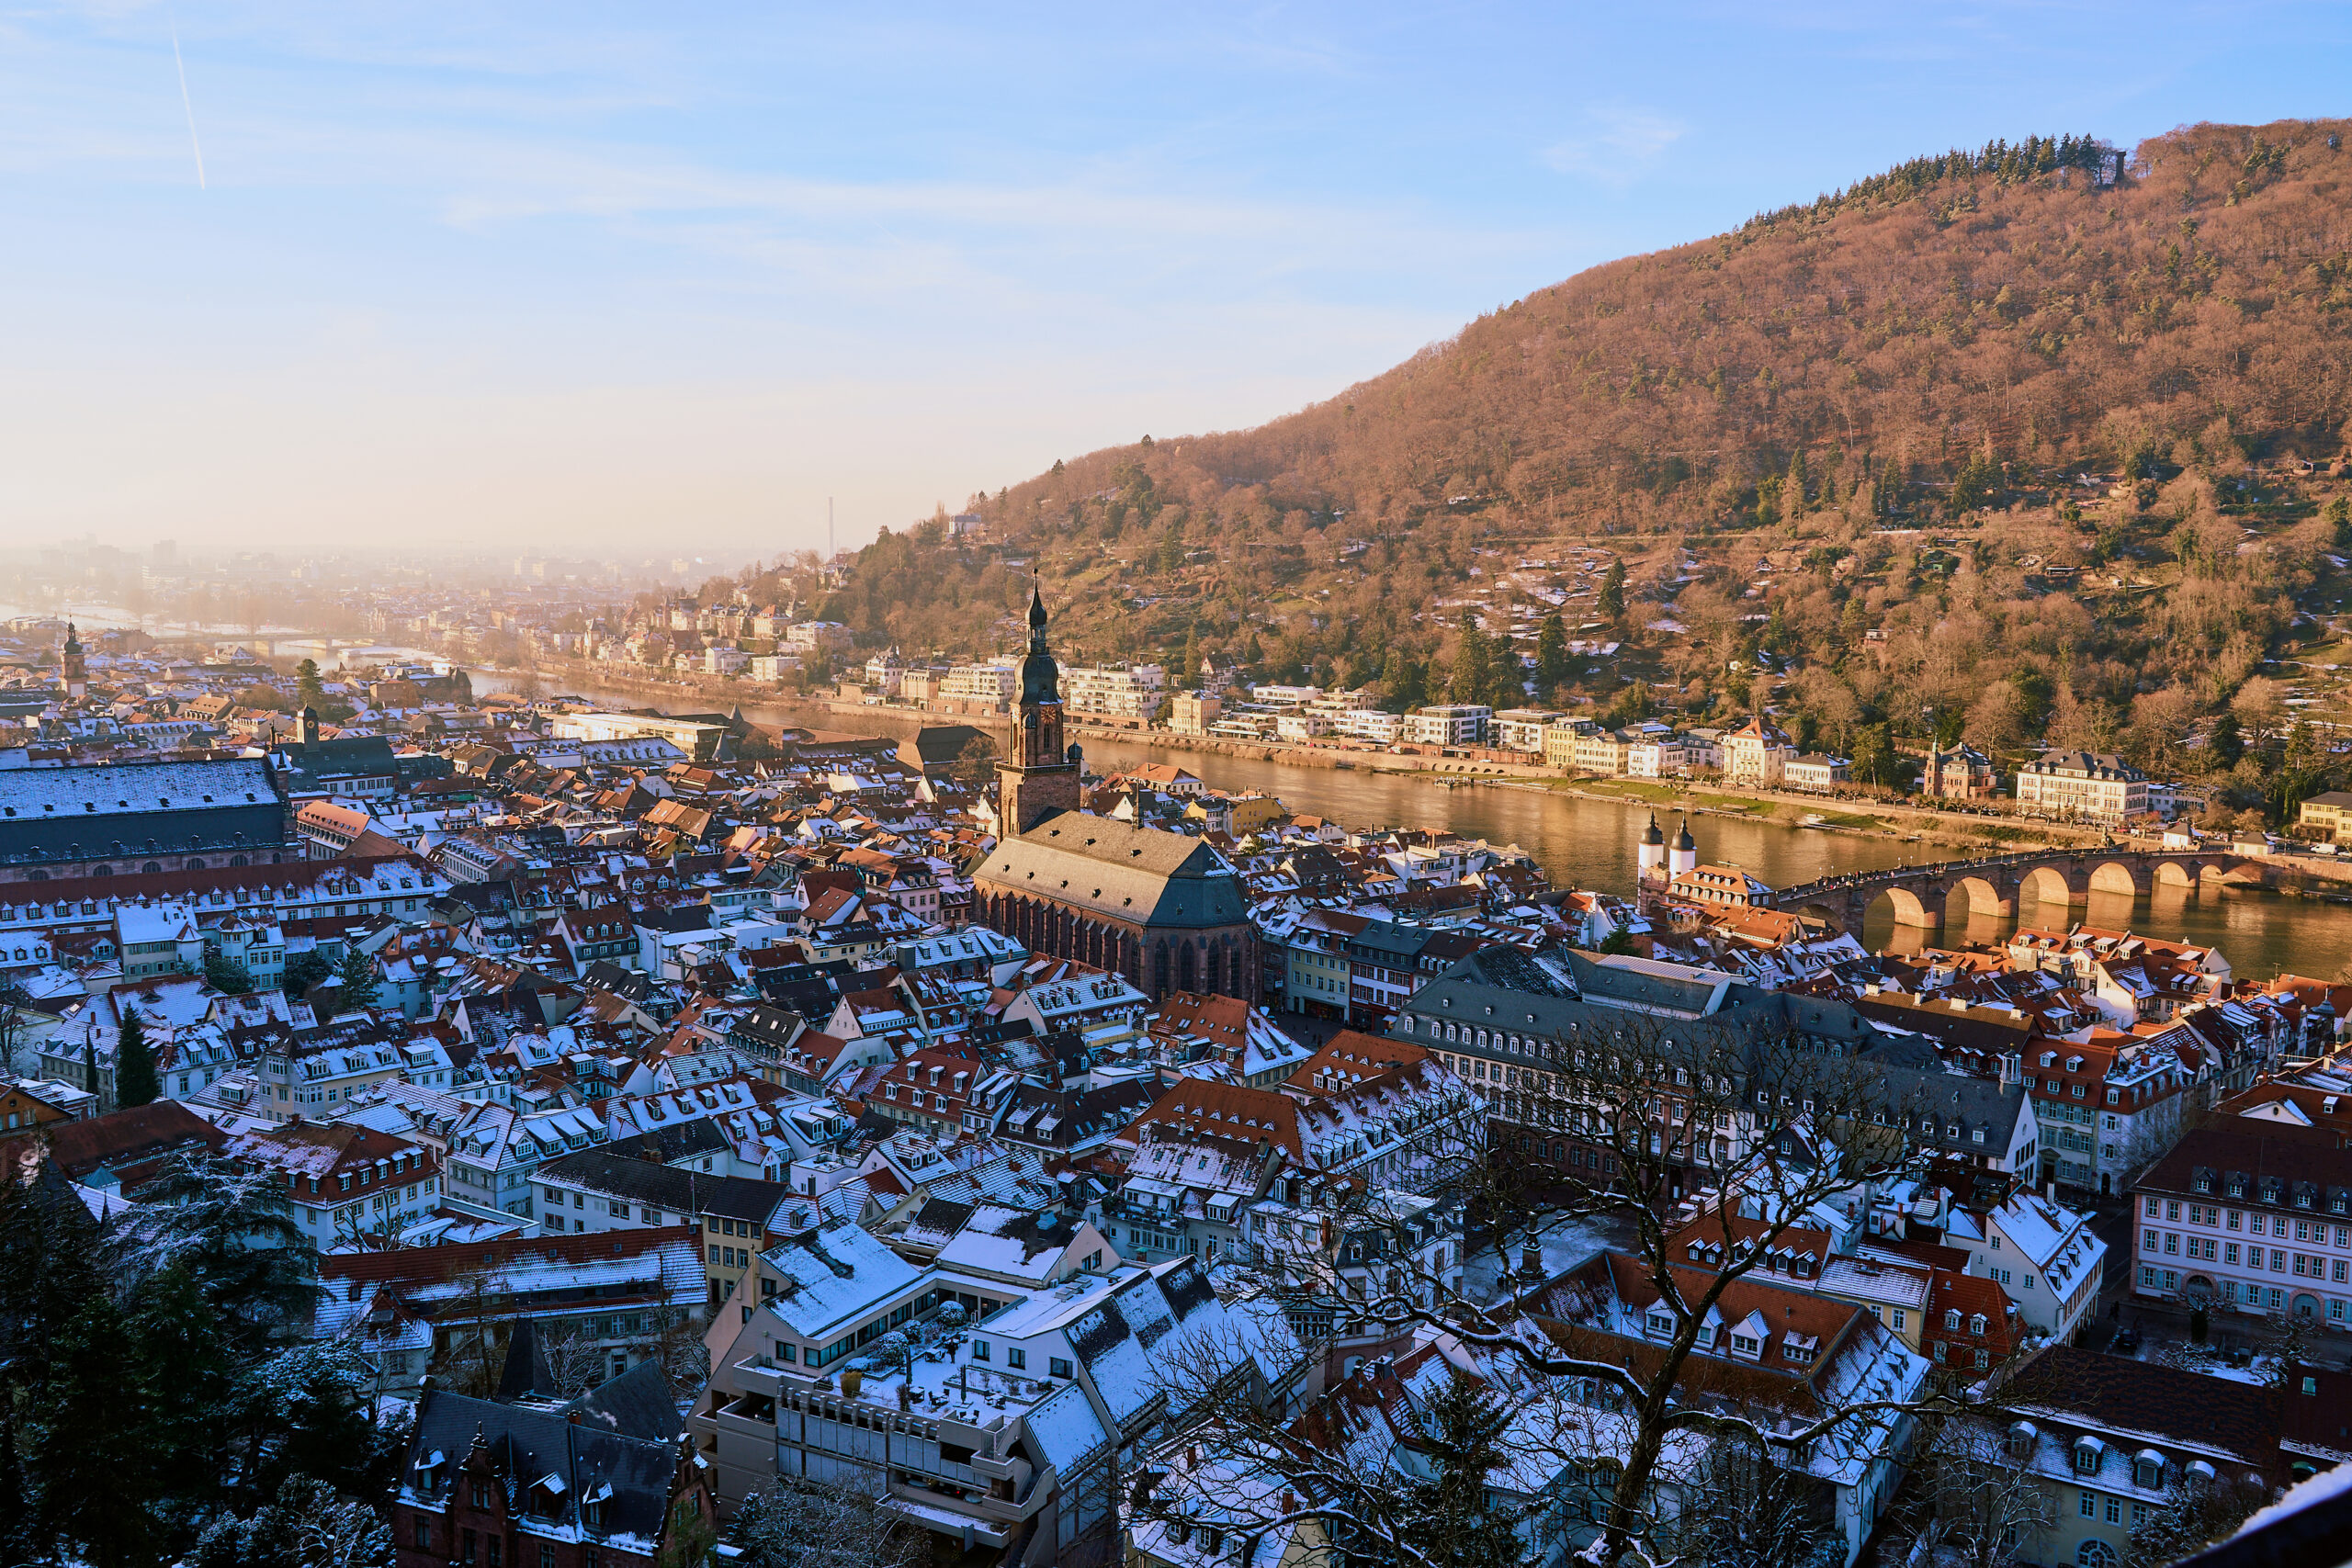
(139, 808)
(1560, 994)
(1121, 873)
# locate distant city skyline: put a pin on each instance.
(620, 284)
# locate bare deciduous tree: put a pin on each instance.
(803, 1523)
(1657, 1133)
(1973, 1502)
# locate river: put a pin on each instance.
(1583, 842)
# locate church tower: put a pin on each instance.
(1042, 778)
(77, 669)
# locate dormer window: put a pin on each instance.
(2088, 1452)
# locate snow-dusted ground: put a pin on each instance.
(2260, 1371)
(1566, 1242)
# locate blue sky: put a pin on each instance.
(628, 278)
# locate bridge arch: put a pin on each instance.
(2118, 878)
(1909, 909)
(2046, 884)
(2173, 873)
(1975, 896)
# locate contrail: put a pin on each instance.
(182, 66)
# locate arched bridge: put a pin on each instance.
(1995, 885)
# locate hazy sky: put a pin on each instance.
(650, 278)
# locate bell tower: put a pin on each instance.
(76, 668)
(1041, 778)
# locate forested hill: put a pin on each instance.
(2033, 303)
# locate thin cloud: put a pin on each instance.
(1617, 144)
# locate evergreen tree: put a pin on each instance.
(90, 1079)
(233, 1232)
(1402, 678)
(1792, 489)
(1188, 673)
(303, 971)
(307, 1524)
(2036, 698)
(1875, 760)
(134, 1064)
(1611, 603)
(1472, 676)
(227, 976)
(359, 986)
(1552, 652)
(2226, 741)
(308, 1412)
(1979, 479)
(190, 1369)
(54, 1258)
(1451, 1508)
(100, 1459)
(309, 691)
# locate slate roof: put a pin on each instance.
(2121, 1394)
(665, 1186)
(528, 1443)
(1561, 994)
(140, 1137)
(137, 808)
(1141, 876)
(638, 1404)
(2262, 1152)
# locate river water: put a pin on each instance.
(1591, 843)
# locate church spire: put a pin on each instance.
(1040, 778)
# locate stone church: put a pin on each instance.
(1164, 909)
